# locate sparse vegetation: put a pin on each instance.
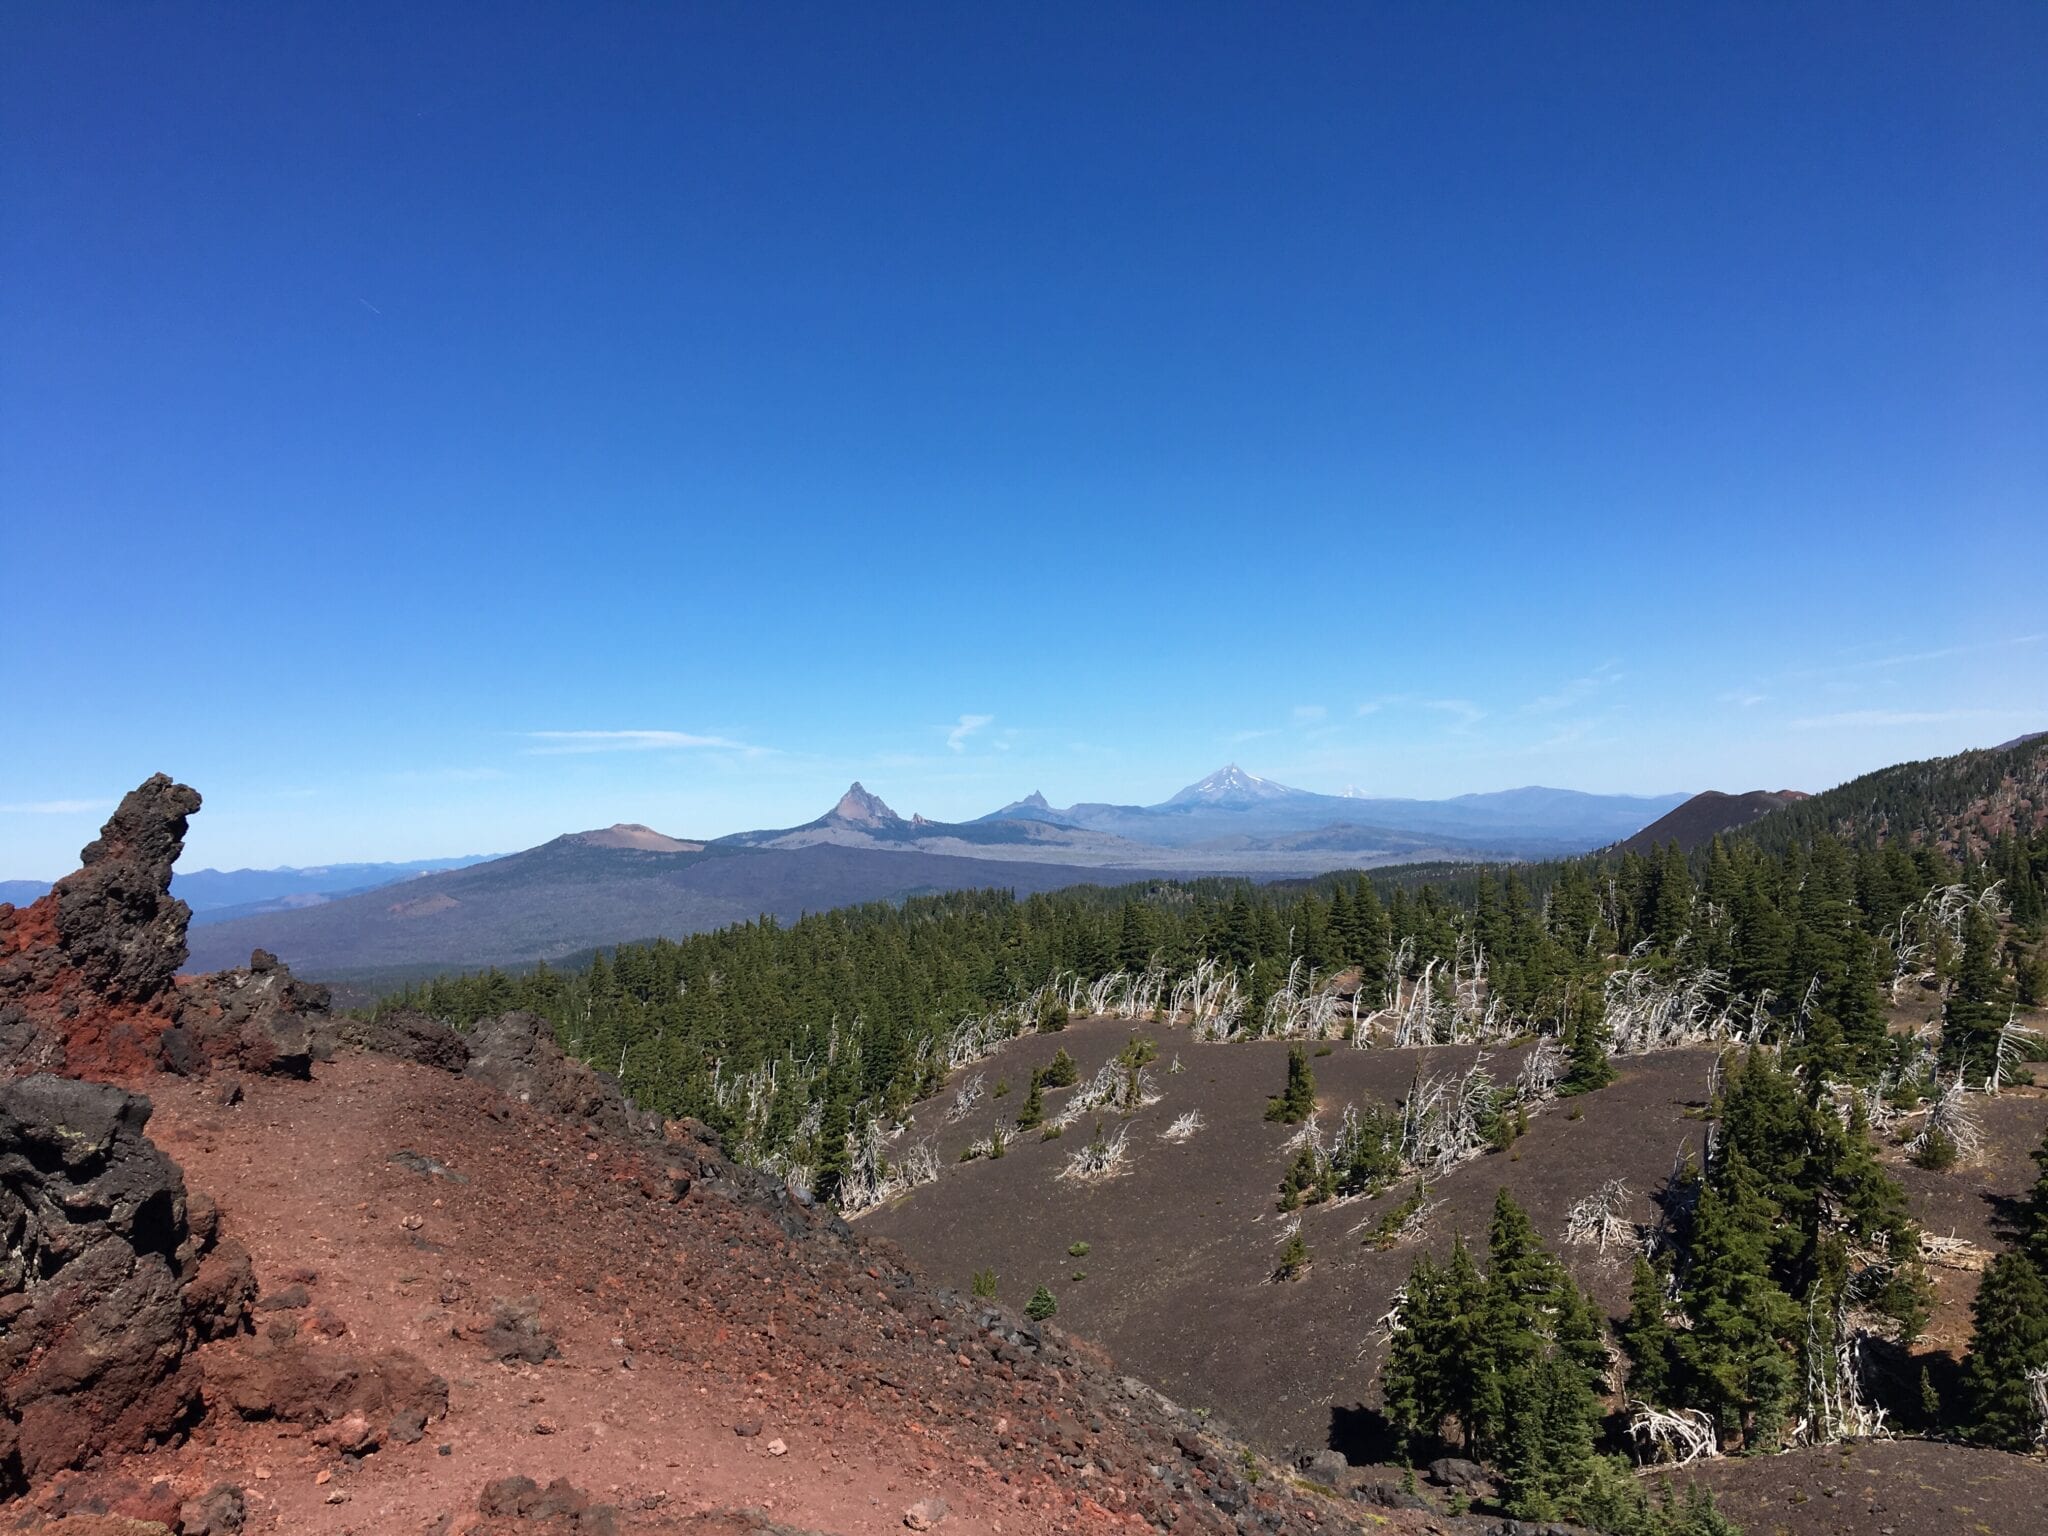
(983, 1284)
(1042, 1305)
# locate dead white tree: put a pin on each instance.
(2037, 1383)
(2016, 1044)
(1950, 1114)
(1672, 1436)
(1933, 927)
(1596, 1221)
(1542, 1070)
(1102, 1158)
(965, 1100)
(1647, 1012)
(1183, 1127)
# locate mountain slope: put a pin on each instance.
(1533, 822)
(1706, 816)
(571, 895)
(1962, 802)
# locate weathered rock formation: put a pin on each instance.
(89, 974)
(109, 1277)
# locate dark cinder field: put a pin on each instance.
(1182, 1248)
(1179, 1280)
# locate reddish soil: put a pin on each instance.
(694, 1337)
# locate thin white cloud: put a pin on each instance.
(1743, 699)
(1308, 714)
(54, 807)
(560, 743)
(1909, 658)
(957, 735)
(1606, 675)
(1464, 711)
(445, 775)
(1886, 717)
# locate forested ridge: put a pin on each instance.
(1782, 1287)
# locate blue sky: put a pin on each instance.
(1415, 397)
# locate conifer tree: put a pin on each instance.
(2010, 1338)
(1033, 1111)
(1976, 1009)
(1646, 1337)
(1297, 1101)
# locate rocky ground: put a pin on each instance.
(329, 1277)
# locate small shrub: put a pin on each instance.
(1293, 1258)
(1937, 1151)
(1078, 1276)
(1002, 1088)
(1053, 1020)
(1061, 1071)
(1077, 1250)
(1139, 1051)
(1043, 1304)
(984, 1284)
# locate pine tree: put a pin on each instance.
(1134, 941)
(1061, 1071)
(1646, 1337)
(1297, 1101)
(1042, 1305)
(1976, 1008)
(1033, 1111)
(2010, 1338)
(1585, 1042)
(1731, 1359)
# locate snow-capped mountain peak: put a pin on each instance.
(1230, 784)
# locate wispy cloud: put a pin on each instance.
(54, 807)
(1464, 711)
(1606, 675)
(1239, 738)
(1309, 714)
(1884, 717)
(444, 775)
(561, 743)
(957, 735)
(1909, 658)
(1743, 699)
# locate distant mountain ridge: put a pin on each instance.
(1240, 809)
(1708, 815)
(219, 895)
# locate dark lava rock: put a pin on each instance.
(263, 1019)
(86, 973)
(516, 1054)
(105, 1280)
(403, 1035)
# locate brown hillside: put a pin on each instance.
(1706, 816)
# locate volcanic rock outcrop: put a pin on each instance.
(89, 974)
(110, 1276)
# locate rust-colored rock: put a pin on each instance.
(87, 973)
(100, 1294)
